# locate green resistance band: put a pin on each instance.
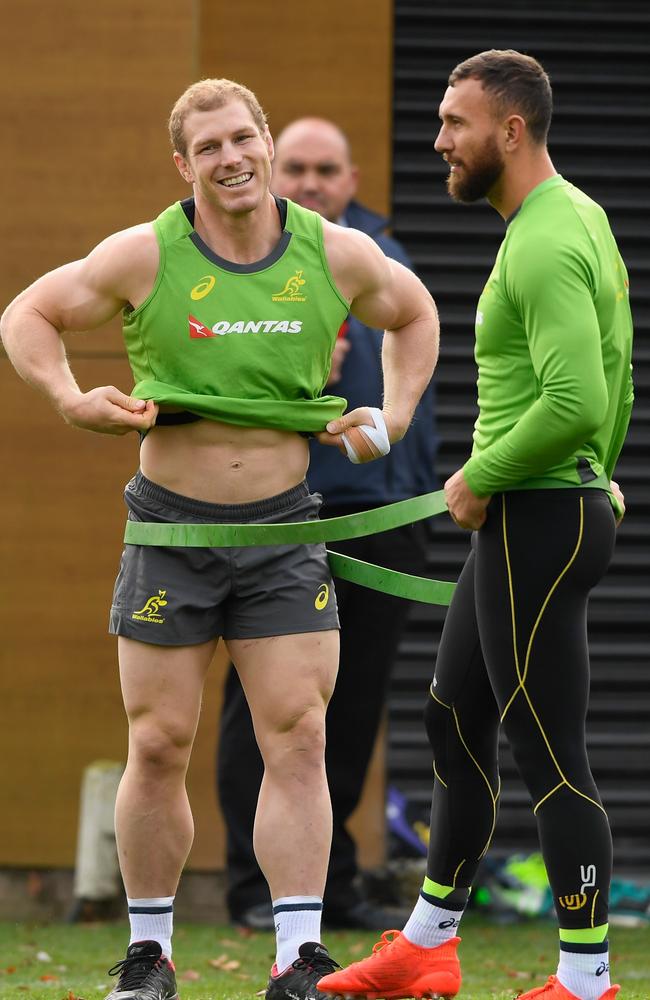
(332, 529)
(389, 581)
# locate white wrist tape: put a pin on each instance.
(377, 433)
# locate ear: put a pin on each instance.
(515, 129)
(354, 180)
(184, 168)
(268, 139)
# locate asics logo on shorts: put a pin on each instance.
(322, 597)
(151, 610)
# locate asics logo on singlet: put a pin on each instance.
(199, 331)
(203, 288)
(291, 289)
(151, 610)
(322, 597)
(479, 318)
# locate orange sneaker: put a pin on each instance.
(397, 969)
(554, 990)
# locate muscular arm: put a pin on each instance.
(81, 296)
(385, 294)
(620, 430)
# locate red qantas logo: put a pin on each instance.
(197, 329)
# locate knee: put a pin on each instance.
(436, 720)
(297, 740)
(159, 748)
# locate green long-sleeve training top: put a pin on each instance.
(553, 349)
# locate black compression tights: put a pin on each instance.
(514, 650)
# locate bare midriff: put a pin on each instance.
(223, 463)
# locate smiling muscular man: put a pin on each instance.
(231, 304)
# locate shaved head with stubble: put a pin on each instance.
(313, 167)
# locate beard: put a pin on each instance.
(479, 181)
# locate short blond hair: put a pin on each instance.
(208, 95)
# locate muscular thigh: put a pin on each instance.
(538, 556)
(163, 685)
(286, 676)
(460, 677)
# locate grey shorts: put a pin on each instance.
(182, 596)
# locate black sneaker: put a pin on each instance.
(258, 917)
(298, 982)
(145, 974)
(364, 916)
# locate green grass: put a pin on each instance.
(498, 962)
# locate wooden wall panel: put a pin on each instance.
(86, 91)
(332, 59)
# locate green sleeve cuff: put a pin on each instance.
(472, 474)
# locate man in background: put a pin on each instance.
(313, 166)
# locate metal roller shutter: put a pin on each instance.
(597, 58)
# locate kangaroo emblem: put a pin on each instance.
(153, 604)
(293, 284)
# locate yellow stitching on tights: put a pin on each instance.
(436, 698)
(493, 797)
(522, 678)
(593, 906)
(443, 783)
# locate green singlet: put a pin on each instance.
(248, 344)
(553, 349)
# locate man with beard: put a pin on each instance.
(553, 347)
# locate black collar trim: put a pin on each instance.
(227, 265)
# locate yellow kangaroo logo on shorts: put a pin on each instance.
(322, 597)
(151, 610)
(290, 291)
(574, 902)
(204, 287)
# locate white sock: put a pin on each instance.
(297, 920)
(152, 920)
(585, 975)
(430, 925)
